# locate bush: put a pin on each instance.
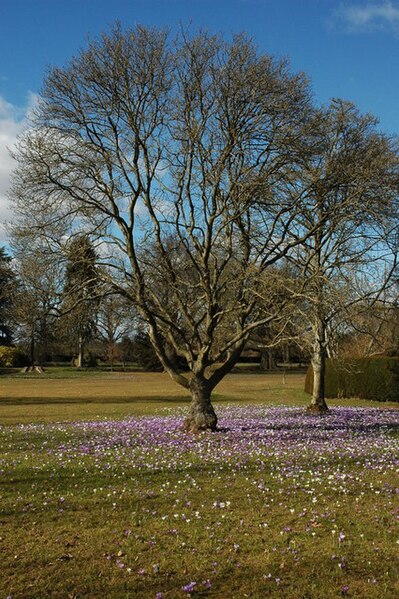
(90, 360)
(368, 378)
(12, 356)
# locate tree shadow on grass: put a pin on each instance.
(22, 401)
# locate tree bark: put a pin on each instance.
(201, 415)
(287, 354)
(32, 348)
(267, 361)
(79, 361)
(318, 403)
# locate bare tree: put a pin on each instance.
(181, 158)
(372, 329)
(350, 183)
(36, 301)
(116, 320)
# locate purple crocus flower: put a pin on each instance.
(188, 588)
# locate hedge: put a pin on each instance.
(368, 378)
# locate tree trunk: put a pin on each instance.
(287, 354)
(79, 361)
(112, 353)
(201, 416)
(32, 348)
(267, 361)
(318, 403)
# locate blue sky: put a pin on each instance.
(349, 49)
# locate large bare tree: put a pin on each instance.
(180, 157)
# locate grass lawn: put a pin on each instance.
(102, 496)
(69, 395)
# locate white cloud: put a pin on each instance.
(12, 122)
(371, 16)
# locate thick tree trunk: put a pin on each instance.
(201, 415)
(318, 403)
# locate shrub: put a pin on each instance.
(368, 378)
(12, 356)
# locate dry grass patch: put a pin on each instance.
(117, 395)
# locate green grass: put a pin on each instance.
(76, 525)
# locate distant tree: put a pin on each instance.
(36, 301)
(372, 329)
(116, 319)
(7, 291)
(143, 354)
(126, 350)
(81, 295)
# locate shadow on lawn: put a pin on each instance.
(174, 399)
(22, 401)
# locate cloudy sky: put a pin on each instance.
(349, 49)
